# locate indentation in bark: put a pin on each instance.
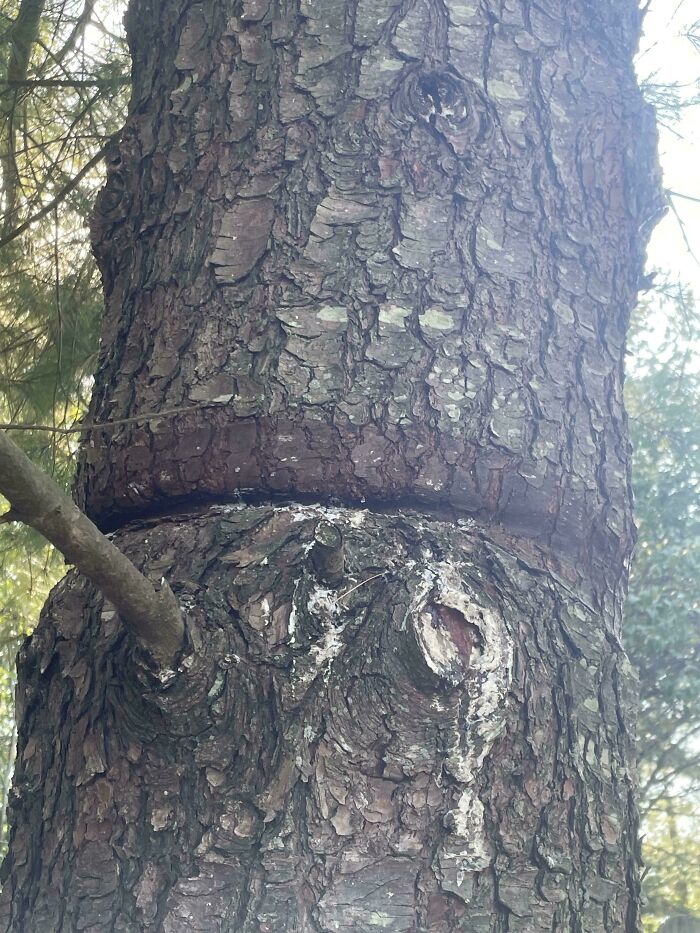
(446, 640)
(456, 108)
(465, 639)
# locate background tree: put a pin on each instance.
(663, 607)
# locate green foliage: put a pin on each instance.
(662, 621)
(672, 850)
(48, 338)
(63, 69)
(63, 75)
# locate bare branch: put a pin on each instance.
(152, 615)
(62, 194)
(681, 227)
(84, 428)
(678, 194)
(22, 34)
(67, 82)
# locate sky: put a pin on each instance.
(668, 57)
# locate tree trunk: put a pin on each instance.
(390, 248)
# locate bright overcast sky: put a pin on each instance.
(669, 57)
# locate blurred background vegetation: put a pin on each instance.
(64, 71)
(662, 614)
(63, 92)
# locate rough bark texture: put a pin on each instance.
(391, 248)
(394, 245)
(440, 747)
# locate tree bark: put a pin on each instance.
(391, 248)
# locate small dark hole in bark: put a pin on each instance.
(430, 87)
(446, 94)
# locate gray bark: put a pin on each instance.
(393, 248)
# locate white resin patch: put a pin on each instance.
(488, 681)
(438, 649)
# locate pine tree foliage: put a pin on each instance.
(672, 852)
(663, 606)
(63, 74)
(63, 77)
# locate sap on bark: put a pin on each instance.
(463, 642)
(441, 651)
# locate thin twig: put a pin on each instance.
(101, 425)
(686, 197)
(65, 82)
(681, 226)
(62, 194)
(362, 583)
